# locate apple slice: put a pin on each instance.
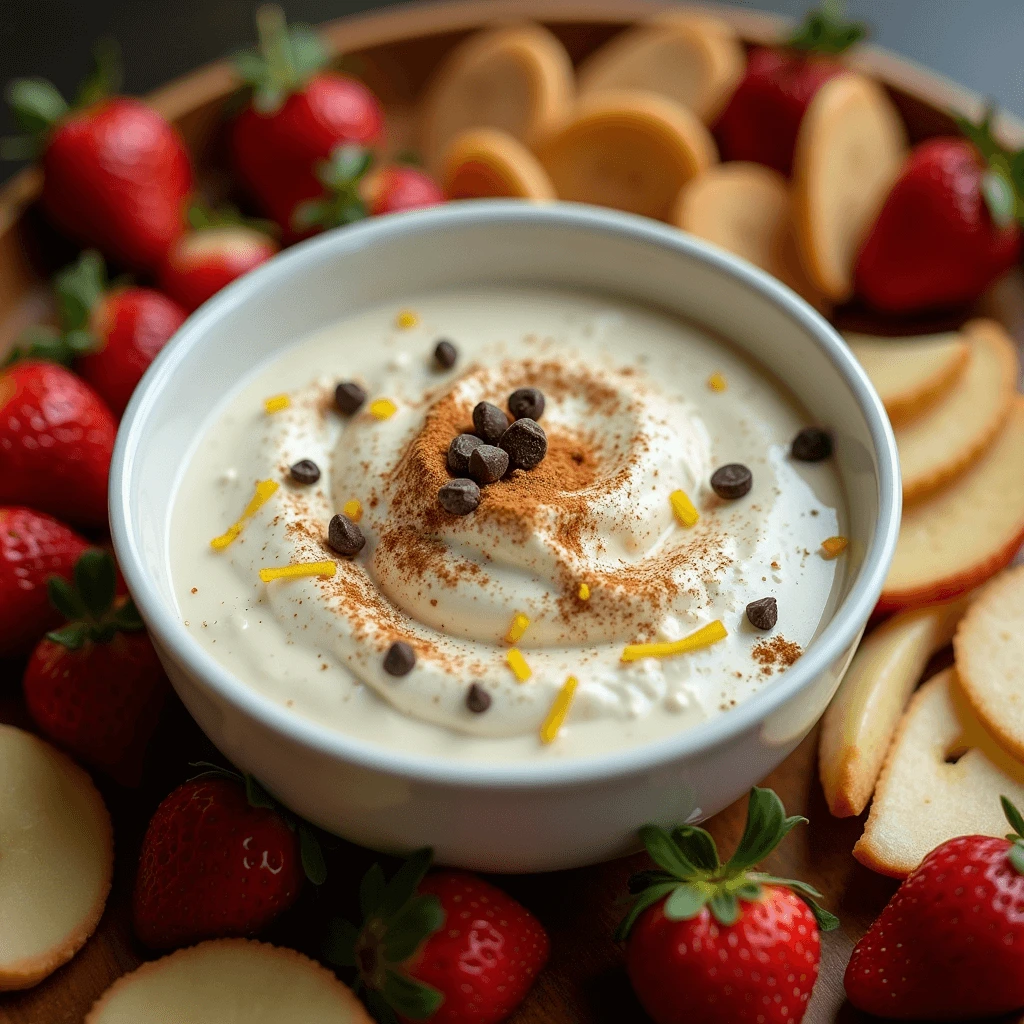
(911, 374)
(849, 150)
(485, 163)
(229, 980)
(859, 723)
(56, 858)
(942, 442)
(745, 208)
(989, 648)
(958, 537)
(629, 150)
(518, 79)
(693, 59)
(943, 778)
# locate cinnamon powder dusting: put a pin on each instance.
(775, 653)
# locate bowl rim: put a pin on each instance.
(195, 661)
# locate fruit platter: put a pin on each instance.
(876, 873)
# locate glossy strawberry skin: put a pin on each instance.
(949, 945)
(487, 955)
(202, 262)
(398, 188)
(101, 702)
(935, 243)
(275, 154)
(116, 176)
(760, 969)
(56, 440)
(33, 547)
(213, 866)
(130, 325)
(763, 117)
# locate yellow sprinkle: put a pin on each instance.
(559, 709)
(833, 546)
(519, 625)
(584, 592)
(406, 319)
(264, 489)
(683, 508)
(383, 408)
(281, 572)
(277, 403)
(353, 510)
(717, 382)
(705, 637)
(517, 663)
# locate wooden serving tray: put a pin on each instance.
(585, 983)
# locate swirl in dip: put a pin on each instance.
(630, 418)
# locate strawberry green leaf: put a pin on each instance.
(1013, 816)
(999, 197)
(645, 900)
(665, 853)
(78, 288)
(1016, 855)
(345, 166)
(371, 891)
(418, 919)
(41, 342)
(340, 945)
(827, 31)
(214, 771)
(725, 908)
(767, 825)
(36, 104)
(687, 900)
(72, 636)
(127, 619)
(411, 998)
(748, 891)
(826, 921)
(106, 76)
(311, 855)
(257, 796)
(405, 881)
(379, 1008)
(96, 582)
(311, 213)
(65, 599)
(641, 880)
(698, 846)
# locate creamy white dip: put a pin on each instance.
(630, 418)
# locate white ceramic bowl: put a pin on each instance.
(502, 817)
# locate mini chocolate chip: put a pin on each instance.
(487, 464)
(526, 443)
(460, 497)
(489, 422)
(459, 452)
(478, 700)
(526, 402)
(349, 397)
(763, 614)
(400, 659)
(732, 481)
(344, 536)
(305, 471)
(812, 444)
(445, 353)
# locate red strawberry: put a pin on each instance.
(56, 439)
(96, 686)
(448, 946)
(721, 944)
(298, 114)
(763, 117)
(33, 547)
(116, 174)
(113, 335)
(948, 229)
(219, 858)
(949, 945)
(220, 248)
(351, 190)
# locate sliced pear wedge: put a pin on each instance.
(858, 725)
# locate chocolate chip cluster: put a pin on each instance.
(495, 447)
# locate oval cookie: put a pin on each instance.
(628, 150)
(517, 79)
(484, 163)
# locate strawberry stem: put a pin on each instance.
(1002, 185)
(692, 877)
(827, 31)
